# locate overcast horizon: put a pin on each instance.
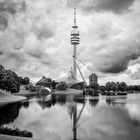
(35, 38)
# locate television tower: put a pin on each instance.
(74, 41)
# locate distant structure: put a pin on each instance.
(79, 86)
(74, 41)
(93, 78)
(71, 79)
(44, 81)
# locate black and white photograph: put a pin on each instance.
(69, 69)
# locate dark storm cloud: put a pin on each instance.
(114, 68)
(12, 6)
(118, 65)
(16, 55)
(119, 46)
(1, 53)
(19, 58)
(71, 4)
(13, 60)
(116, 6)
(47, 63)
(44, 31)
(3, 22)
(35, 54)
(9, 7)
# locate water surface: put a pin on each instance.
(102, 118)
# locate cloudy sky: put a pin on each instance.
(35, 37)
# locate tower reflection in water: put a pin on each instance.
(74, 118)
(72, 110)
(71, 102)
(74, 114)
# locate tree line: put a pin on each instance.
(113, 86)
(119, 86)
(109, 86)
(11, 82)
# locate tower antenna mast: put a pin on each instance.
(74, 12)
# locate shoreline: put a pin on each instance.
(6, 98)
(9, 137)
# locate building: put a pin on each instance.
(93, 78)
(79, 86)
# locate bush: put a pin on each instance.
(61, 86)
(15, 132)
(30, 87)
(24, 81)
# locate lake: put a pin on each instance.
(66, 117)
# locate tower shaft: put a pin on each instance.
(74, 63)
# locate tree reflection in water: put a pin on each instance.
(44, 104)
(55, 99)
(113, 102)
(60, 99)
(25, 104)
(110, 102)
(9, 113)
(107, 117)
(94, 102)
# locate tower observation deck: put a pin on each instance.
(75, 41)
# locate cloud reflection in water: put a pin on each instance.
(99, 122)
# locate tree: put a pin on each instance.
(25, 81)
(113, 86)
(1, 67)
(9, 80)
(20, 79)
(122, 86)
(108, 86)
(129, 88)
(53, 83)
(102, 88)
(94, 85)
(2, 71)
(61, 86)
(47, 82)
